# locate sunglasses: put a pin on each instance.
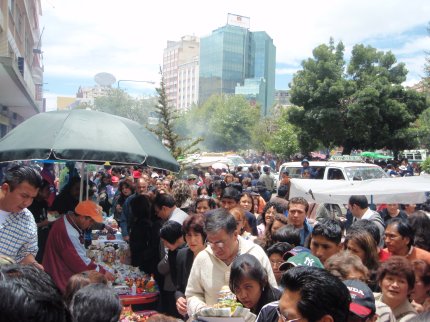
(285, 318)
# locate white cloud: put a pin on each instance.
(286, 71)
(127, 38)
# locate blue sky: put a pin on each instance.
(126, 38)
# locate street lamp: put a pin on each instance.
(134, 81)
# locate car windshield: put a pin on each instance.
(364, 173)
(236, 160)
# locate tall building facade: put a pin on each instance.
(21, 68)
(234, 60)
(181, 72)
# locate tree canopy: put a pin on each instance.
(118, 102)
(224, 122)
(361, 105)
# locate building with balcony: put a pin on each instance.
(21, 68)
(234, 60)
(181, 72)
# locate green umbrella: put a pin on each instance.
(373, 155)
(86, 136)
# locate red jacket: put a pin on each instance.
(65, 255)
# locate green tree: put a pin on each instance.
(319, 91)
(263, 132)
(275, 134)
(229, 123)
(177, 144)
(118, 102)
(284, 141)
(361, 106)
(423, 129)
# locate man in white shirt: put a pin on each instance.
(359, 207)
(18, 230)
(211, 267)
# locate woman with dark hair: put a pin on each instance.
(125, 190)
(203, 191)
(203, 204)
(246, 202)
(144, 236)
(420, 222)
(397, 280)
(279, 220)
(68, 198)
(249, 282)
(361, 243)
(267, 216)
(195, 236)
(399, 240)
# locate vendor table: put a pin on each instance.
(143, 298)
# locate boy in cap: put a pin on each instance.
(65, 254)
(303, 258)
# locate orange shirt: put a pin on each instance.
(417, 253)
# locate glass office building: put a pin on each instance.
(232, 54)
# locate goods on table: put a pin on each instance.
(128, 315)
(109, 253)
(226, 308)
(127, 276)
(112, 257)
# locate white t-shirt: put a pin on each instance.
(3, 216)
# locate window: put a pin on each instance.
(335, 174)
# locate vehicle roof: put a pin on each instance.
(344, 164)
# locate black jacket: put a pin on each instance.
(184, 262)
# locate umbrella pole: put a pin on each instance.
(81, 187)
(88, 186)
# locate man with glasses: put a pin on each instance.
(310, 294)
(211, 267)
(65, 254)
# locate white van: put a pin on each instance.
(335, 170)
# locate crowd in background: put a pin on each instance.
(237, 228)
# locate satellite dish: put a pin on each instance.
(104, 79)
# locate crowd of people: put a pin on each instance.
(202, 234)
